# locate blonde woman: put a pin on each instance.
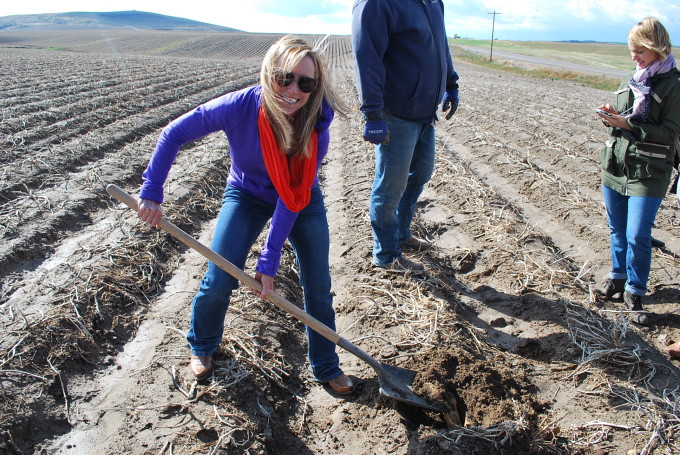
(278, 136)
(637, 161)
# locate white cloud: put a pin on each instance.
(273, 16)
(603, 20)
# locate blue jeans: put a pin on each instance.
(402, 168)
(241, 220)
(630, 220)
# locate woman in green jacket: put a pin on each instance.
(637, 161)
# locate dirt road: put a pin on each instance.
(504, 325)
(534, 62)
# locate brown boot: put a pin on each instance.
(415, 244)
(634, 303)
(612, 287)
(402, 265)
(201, 366)
(342, 385)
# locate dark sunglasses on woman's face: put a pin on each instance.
(306, 84)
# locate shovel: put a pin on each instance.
(395, 382)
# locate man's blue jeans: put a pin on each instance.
(630, 220)
(402, 168)
(241, 220)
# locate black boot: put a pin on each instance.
(634, 303)
(656, 243)
(612, 287)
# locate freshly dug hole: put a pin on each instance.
(479, 389)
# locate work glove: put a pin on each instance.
(375, 129)
(450, 103)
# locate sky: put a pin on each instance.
(518, 20)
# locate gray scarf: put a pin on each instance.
(642, 89)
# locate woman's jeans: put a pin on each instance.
(240, 222)
(630, 220)
(402, 168)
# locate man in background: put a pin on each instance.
(404, 70)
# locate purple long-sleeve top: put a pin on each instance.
(236, 114)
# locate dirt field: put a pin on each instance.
(504, 325)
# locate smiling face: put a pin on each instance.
(642, 56)
(291, 98)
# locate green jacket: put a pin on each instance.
(641, 163)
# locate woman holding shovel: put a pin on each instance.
(278, 136)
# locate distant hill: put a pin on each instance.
(115, 20)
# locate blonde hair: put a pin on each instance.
(651, 34)
(294, 136)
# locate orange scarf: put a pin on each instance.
(292, 178)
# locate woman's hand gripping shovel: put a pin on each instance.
(395, 382)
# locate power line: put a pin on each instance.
(493, 26)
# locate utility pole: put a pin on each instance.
(493, 25)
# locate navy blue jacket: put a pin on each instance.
(402, 57)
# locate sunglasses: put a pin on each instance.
(306, 84)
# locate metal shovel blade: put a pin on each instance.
(396, 382)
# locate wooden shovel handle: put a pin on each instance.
(230, 268)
